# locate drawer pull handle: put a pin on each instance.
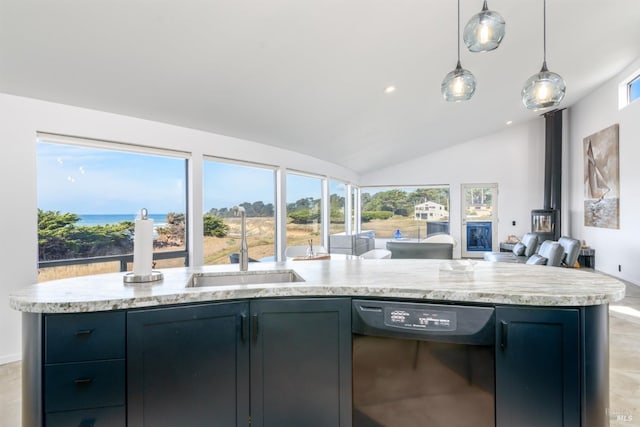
(81, 381)
(84, 332)
(504, 333)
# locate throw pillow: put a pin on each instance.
(536, 259)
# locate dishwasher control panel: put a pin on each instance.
(455, 323)
(420, 320)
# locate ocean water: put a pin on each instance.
(99, 219)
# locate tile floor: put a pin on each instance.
(10, 386)
(624, 365)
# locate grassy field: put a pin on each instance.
(260, 239)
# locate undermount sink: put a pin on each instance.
(198, 280)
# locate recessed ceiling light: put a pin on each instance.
(509, 122)
(389, 89)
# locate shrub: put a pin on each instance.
(60, 238)
(371, 215)
(304, 216)
(337, 216)
(214, 226)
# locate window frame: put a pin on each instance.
(132, 148)
(247, 163)
(324, 204)
(630, 84)
(111, 145)
(624, 90)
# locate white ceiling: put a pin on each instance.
(306, 75)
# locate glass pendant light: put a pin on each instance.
(484, 31)
(459, 84)
(546, 88)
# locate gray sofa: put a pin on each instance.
(549, 253)
(564, 252)
(520, 253)
(420, 250)
(571, 249)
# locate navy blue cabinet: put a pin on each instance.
(283, 362)
(83, 370)
(188, 366)
(301, 363)
(538, 367)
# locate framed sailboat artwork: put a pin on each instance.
(602, 179)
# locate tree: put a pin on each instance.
(395, 201)
(304, 203)
(371, 215)
(214, 226)
(53, 231)
(60, 238)
(255, 209)
(336, 202)
(336, 209)
(262, 210)
(248, 208)
(438, 195)
(304, 216)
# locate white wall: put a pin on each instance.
(23, 117)
(514, 159)
(593, 113)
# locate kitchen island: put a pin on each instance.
(279, 354)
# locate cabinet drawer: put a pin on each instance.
(84, 385)
(98, 417)
(86, 336)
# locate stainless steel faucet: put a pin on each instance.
(244, 248)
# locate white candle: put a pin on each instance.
(143, 246)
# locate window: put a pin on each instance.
(634, 89)
(629, 90)
(228, 184)
(405, 212)
(89, 195)
(304, 206)
(337, 206)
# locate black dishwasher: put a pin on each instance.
(418, 364)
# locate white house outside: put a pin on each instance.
(431, 211)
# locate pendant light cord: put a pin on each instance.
(458, 31)
(544, 31)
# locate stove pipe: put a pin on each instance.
(553, 160)
(553, 168)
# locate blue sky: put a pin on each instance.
(227, 184)
(96, 181)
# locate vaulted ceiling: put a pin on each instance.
(307, 75)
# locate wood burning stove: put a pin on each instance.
(546, 224)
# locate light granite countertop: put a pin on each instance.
(434, 280)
